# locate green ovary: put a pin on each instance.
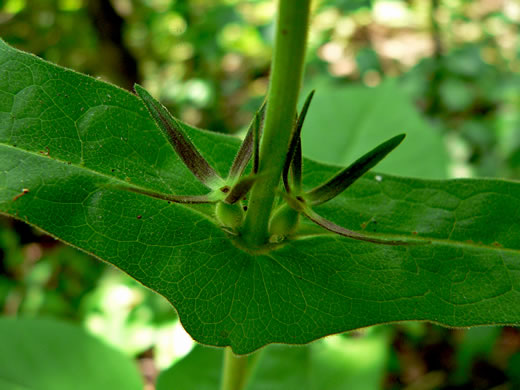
(284, 221)
(230, 215)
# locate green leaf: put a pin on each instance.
(47, 354)
(347, 121)
(187, 373)
(335, 363)
(69, 140)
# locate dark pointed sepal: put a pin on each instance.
(294, 155)
(349, 175)
(180, 142)
(331, 226)
(257, 129)
(240, 189)
(249, 146)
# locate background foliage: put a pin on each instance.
(454, 66)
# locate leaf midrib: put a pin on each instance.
(104, 175)
(423, 239)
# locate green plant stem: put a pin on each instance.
(284, 88)
(234, 372)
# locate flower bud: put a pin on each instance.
(284, 221)
(229, 215)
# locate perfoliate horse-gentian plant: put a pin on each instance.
(84, 161)
(227, 194)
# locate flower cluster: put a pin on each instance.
(229, 193)
(285, 219)
(226, 193)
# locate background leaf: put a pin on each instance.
(334, 363)
(344, 122)
(48, 354)
(68, 139)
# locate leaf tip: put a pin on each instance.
(398, 138)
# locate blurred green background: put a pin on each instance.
(447, 72)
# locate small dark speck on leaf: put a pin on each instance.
(112, 170)
(414, 233)
(225, 189)
(139, 216)
(24, 191)
(245, 208)
(497, 244)
(300, 199)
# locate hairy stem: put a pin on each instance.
(286, 76)
(234, 372)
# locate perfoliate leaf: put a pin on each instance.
(349, 175)
(67, 138)
(180, 141)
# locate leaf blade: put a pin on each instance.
(27, 342)
(467, 276)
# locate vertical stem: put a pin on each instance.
(284, 88)
(435, 81)
(234, 372)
